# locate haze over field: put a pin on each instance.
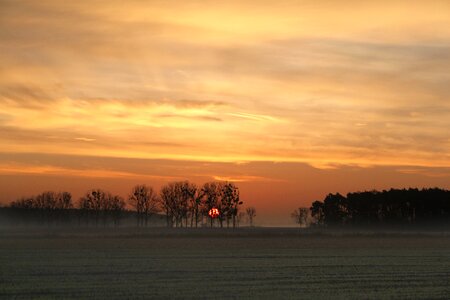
(290, 100)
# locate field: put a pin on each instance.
(245, 263)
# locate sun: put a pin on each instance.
(213, 213)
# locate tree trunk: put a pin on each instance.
(196, 218)
(167, 217)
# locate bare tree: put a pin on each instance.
(48, 206)
(183, 200)
(100, 205)
(196, 196)
(145, 201)
(92, 203)
(212, 192)
(251, 214)
(185, 193)
(240, 217)
(63, 204)
(64, 201)
(230, 202)
(23, 203)
(168, 201)
(116, 205)
(300, 216)
(45, 201)
(176, 199)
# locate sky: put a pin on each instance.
(291, 100)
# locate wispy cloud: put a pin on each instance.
(255, 117)
(245, 178)
(85, 139)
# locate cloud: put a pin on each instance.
(434, 173)
(244, 178)
(85, 139)
(43, 170)
(289, 81)
(254, 117)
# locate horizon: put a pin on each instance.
(290, 101)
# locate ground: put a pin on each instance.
(246, 263)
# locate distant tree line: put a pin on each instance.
(387, 207)
(183, 203)
(95, 207)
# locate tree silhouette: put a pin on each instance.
(145, 201)
(317, 212)
(116, 206)
(169, 202)
(48, 207)
(240, 217)
(230, 202)
(45, 201)
(334, 209)
(185, 193)
(251, 214)
(392, 207)
(212, 193)
(300, 216)
(100, 205)
(182, 202)
(23, 203)
(92, 203)
(64, 201)
(195, 195)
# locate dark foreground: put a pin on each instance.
(246, 263)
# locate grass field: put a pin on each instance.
(246, 263)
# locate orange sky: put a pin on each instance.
(290, 99)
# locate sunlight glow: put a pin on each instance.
(180, 86)
(214, 213)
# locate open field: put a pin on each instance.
(245, 263)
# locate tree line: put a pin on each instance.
(387, 207)
(184, 204)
